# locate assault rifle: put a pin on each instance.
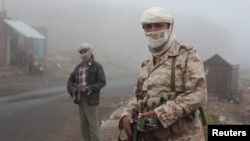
(78, 97)
(144, 123)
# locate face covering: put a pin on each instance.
(157, 39)
(86, 56)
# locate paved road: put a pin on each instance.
(35, 110)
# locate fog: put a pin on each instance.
(113, 26)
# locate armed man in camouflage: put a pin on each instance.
(171, 86)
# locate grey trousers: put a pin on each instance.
(89, 120)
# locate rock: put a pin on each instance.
(116, 114)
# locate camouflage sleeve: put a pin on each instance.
(129, 110)
(132, 108)
(188, 102)
(138, 90)
(143, 75)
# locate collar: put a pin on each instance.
(88, 63)
(174, 49)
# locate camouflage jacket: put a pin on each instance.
(155, 80)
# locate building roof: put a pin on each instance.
(24, 29)
(228, 59)
(225, 57)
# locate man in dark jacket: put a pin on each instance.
(87, 80)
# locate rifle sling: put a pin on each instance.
(202, 114)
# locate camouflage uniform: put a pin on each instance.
(178, 117)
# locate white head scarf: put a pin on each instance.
(156, 15)
(159, 41)
(86, 56)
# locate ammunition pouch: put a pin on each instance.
(178, 127)
(148, 104)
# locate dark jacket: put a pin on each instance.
(95, 78)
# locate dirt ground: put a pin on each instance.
(228, 112)
(70, 131)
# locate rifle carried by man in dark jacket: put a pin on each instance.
(78, 96)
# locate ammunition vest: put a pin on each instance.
(181, 125)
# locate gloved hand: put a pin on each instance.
(150, 114)
(126, 123)
(74, 91)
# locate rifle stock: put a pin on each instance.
(134, 129)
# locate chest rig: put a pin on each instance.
(149, 103)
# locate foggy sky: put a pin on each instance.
(211, 26)
(233, 15)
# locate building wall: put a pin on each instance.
(3, 50)
(44, 32)
(235, 78)
(222, 78)
(217, 81)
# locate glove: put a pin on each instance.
(126, 123)
(150, 114)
